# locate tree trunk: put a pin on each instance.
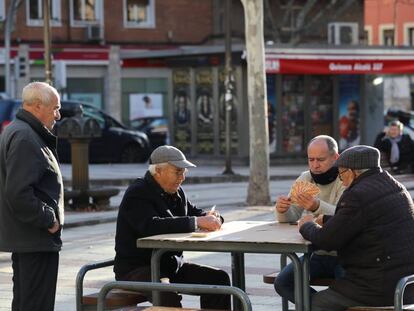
(258, 191)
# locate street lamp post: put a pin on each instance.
(228, 84)
(47, 41)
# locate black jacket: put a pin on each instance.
(147, 210)
(373, 232)
(31, 187)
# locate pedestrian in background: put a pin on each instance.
(397, 147)
(31, 198)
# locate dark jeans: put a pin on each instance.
(189, 273)
(320, 267)
(34, 281)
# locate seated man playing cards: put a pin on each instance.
(316, 192)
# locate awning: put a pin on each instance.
(361, 61)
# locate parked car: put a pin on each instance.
(156, 129)
(117, 143)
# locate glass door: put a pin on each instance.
(293, 125)
(321, 105)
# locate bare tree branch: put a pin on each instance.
(271, 22)
(322, 17)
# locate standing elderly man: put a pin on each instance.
(372, 230)
(31, 198)
(322, 154)
(156, 204)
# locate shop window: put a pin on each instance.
(293, 125)
(139, 13)
(321, 93)
(85, 12)
(34, 9)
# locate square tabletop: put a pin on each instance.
(242, 236)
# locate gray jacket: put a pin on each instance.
(31, 187)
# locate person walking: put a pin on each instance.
(31, 198)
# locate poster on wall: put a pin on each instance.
(182, 109)
(222, 115)
(145, 105)
(205, 111)
(271, 111)
(349, 111)
(94, 99)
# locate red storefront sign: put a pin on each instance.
(339, 66)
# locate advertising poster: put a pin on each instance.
(205, 111)
(271, 111)
(349, 111)
(222, 115)
(182, 109)
(144, 105)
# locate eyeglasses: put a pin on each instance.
(340, 174)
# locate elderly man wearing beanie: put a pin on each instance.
(156, 204)
(372, 230)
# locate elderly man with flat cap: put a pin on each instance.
(156, 204)
(372, 230)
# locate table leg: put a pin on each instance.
(237, 275)
(297, 266)
(155, 273)
(306, 289)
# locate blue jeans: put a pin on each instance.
(320, 267)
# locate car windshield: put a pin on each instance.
(91, 112)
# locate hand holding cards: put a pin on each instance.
(303, 187)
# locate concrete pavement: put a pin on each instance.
(204, 185)
(87, 243)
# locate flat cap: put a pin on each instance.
(171, 155)
(359, 157)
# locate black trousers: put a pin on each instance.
(189, 273)
(34, 281)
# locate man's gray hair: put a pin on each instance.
(152, 168)
(331, 142)
(39, 92)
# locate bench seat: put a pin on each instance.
(115, 299)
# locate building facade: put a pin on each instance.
(126, 56)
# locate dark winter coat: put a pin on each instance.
(146, 209)
(373, 232)
(31, 187)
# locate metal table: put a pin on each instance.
(239, 237)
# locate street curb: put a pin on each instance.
(89, 222)
(188, 180)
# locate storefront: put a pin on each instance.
(337, 92)
(192, 97)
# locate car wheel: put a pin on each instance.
(132, 154)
